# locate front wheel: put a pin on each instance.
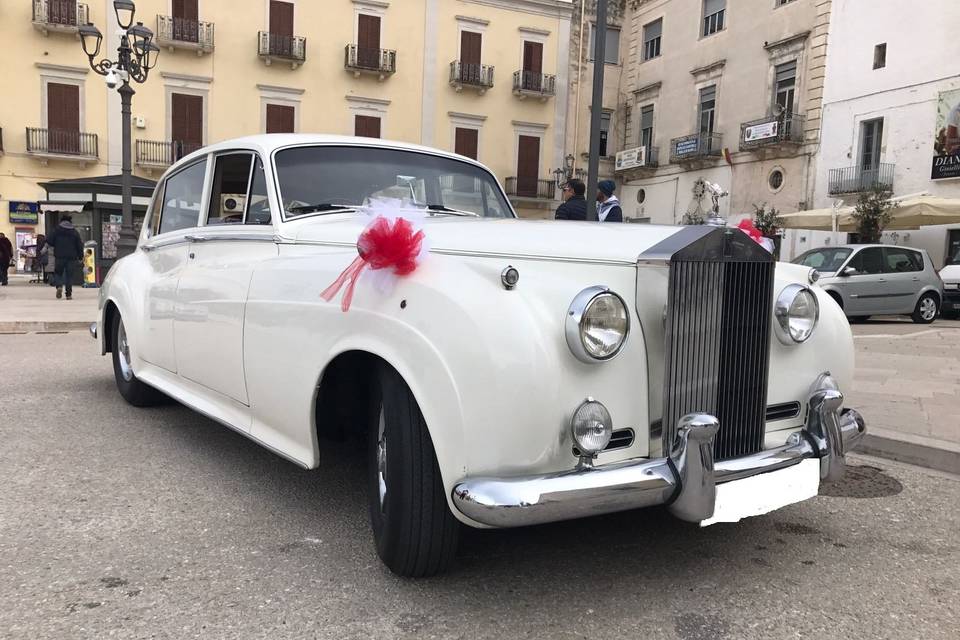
(415, 533)
(132, 389)
(926, 309)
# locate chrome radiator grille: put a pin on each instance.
(717, 348)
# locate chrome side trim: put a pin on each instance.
(685, 481)
(233, 237)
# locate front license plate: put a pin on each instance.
(953, 305)
(766, 492)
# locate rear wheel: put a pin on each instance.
(926, 310)
(415, 533)
(133, 390)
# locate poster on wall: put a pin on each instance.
(110, 234)
(946, 144)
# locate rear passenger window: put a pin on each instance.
(258, 207)
(902, 261)
(868, 261)
(228, 195)
(181, 198)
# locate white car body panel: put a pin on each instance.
(240, 333)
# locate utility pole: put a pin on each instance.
(596, 106)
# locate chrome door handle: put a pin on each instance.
(146, 247)
(881, 280)
(196, 238)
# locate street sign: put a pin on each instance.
(687, 147)
(24, 212)
(631, 158)
(761, 131)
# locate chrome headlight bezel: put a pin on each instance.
(782, 318)
(573, 327)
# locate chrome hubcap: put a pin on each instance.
(928, 309)
(123, 354)
(382, 460)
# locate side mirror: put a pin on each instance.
(847, 271)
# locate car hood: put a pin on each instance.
(950, 273)
(503, 237)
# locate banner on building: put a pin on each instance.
(761, 131)
(946, 144)
(24, 212)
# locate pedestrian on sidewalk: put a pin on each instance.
(609, 209)
(6, 253)
(574, 205)
(68, 249)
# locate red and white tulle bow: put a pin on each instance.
(390, 244)
(746, 225)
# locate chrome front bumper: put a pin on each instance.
(685, 480)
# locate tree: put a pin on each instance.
(767, 221)
(873, 213)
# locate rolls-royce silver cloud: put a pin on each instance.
(504, 372)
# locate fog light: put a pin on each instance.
(591, 427)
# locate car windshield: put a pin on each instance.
(955, 258)
(330, 179)
(828, 260)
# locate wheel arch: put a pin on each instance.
(836, 295)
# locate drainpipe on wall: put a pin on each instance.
(576, 121)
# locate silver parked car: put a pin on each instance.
(874, 279)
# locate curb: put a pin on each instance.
(910, 452)
(41, 326)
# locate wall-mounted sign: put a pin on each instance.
(761, 131)
(631, 158)
(24, 212)
(946, 144)
(687, 147)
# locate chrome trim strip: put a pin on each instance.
(231, 237)
(685, 480)
(164, 243)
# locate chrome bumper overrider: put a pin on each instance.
(93, 330)
(685, 481)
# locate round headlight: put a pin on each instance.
(591, 427)
(597, 325)
(796, 312)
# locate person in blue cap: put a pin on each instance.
(608, 206)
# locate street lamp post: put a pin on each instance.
(136, 56)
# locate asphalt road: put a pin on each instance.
(129, 523)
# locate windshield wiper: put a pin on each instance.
(439, 208)
(321, 206)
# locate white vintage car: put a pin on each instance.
(525, 372)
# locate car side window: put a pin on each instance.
(902, 261)
(258, 203)
(181, 198)
(868, 261)
(228, 194)
(155, 207)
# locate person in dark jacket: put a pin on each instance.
(6, 253)
(574, 205)
(68, 248)
(608, 207)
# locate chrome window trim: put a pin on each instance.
(203, 195)
(210, 176)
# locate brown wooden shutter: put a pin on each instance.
(466, 142)
(186, 123)
(186, 9)
(62, 12)
(280, 118)
(281, 18)
(367, 126)
(185, 16)
(63, 118)
(532, 65)
(528, 165)
(368, 32)
(470, 46)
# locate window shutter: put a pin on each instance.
(646, 117)
(466, 142)
(787, 71)
(367, 126)
(710, 7)
(280, 118)
(653, 30)
(281, 18)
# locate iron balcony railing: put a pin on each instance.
(531, 187)
(857, 179)
(62, 142)
(772, 130)
(66, 13)
(157, 153)
(696, 145)
(281, 46)
(382, 61)
(651, 156)
(175, 30)
(466, 73)
(534, 83)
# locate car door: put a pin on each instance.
(865, 287)
(176, 212)
(222, 254)
(902, 269)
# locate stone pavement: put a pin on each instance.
(34, 307)
(907, 385)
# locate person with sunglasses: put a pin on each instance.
(574, 205)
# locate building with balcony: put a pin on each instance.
(888, 104)
(377, 68)
(710, 90)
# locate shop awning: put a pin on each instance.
(62, 207)
(913, 213)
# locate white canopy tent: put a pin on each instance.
(914, 211)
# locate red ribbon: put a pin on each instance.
(381, 246)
